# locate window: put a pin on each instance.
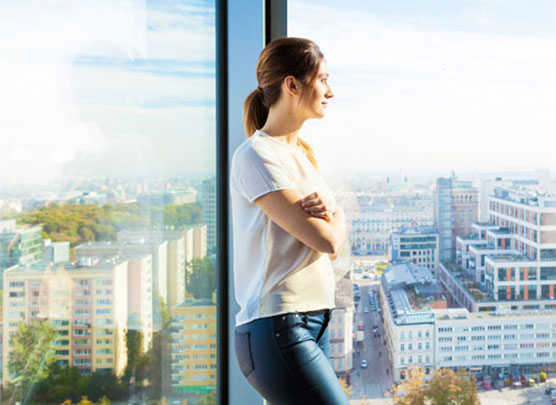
(114, 118)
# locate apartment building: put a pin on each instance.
(195, 238)
(158, 249)
(416, 244)
(86, 304)
(193, 356)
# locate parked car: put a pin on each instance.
(360, 325)
(486, 385)
(553, 395)
(365, 310)
(364, 363)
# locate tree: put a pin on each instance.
(208, 399)
(345, 387)
(411, 391)
(134, 344)
(201, 278)
(32, 357)
(158, 357)
(449, 387)
(444, 387)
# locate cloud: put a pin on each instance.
(412, 96)
(80, 80)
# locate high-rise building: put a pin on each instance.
(193, 356)
(456, 208)
(443, 216)
(208, 207)
(158, 249)
(86, 304)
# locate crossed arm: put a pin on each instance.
(306, 218)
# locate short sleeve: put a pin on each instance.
(258, 170)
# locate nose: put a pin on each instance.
(329, 93)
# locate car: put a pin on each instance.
(365, 310)
(486, 385)
(553, 395)
(366, 276)
(360, 325)
(364, 363)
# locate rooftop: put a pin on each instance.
(528, 194)
(93, 264)
(463, 313)
(416, 230)
(411, 290)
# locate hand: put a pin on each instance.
(318, 206)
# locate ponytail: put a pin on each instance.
(254, 117)
(254, 112)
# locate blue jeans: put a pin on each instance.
(286, 358)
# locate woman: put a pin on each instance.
(286, 230)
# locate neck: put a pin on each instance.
(283, 125)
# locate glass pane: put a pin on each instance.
(107, 201)
(440, 129)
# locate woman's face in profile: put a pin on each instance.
(321, 93)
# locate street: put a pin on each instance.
(372, 382)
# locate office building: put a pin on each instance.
(416, 244)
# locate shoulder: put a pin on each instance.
(254, 149)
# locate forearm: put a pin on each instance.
(338, 225)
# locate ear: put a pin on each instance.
(291, 86)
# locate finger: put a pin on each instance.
(312, 203)
(310, 196)
(316, 208)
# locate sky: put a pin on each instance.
(431, 85)
(106, 88)
(128, 87)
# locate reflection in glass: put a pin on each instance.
(107, 201)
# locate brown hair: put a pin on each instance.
(282, 57)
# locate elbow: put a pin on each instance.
(332, 246)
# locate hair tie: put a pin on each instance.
(259, 89)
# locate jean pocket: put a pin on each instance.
(243, 352)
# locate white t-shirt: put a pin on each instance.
(274, 273)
